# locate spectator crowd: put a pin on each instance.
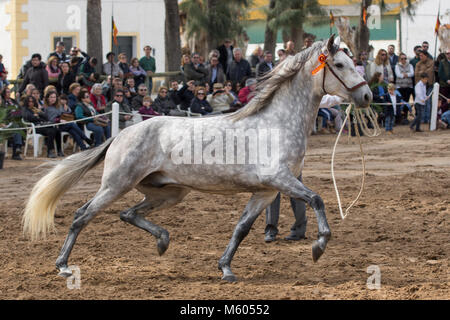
(67, 87)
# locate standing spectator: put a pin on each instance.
(75, 60)
(97, 98)
(173, 92)
(195, 70)
(146, 110)
(381, 64)
(256, 57)
(112, 67)
(226, 55)
(124, 66)
(392, 110)
(186, 94)
(84, 109)
(393, 58)
(215, 72)
(148, 63)
(416, 58)
(163, 104)
(31, 113)
(425, 65)
(136, 103)
(52, 68)
(265, 66)
(185, 60)
(199, 104)
(405, 73)
(248, 92)
(307, 43)
(65, 78)
(139, 74)
(425, 46)
(444, 77)
(281, 56)
(290, 48)
(220, 100)
(36, 75)
(240, 68)
(87, 72)
(3, 74)
(125, 120)
(59, 52)
(420, 100)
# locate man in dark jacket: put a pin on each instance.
(173, 92)
(215, 72)
(240, 68)
(265, 66)
(137, 101)
(36, 75)
(226, 55)
(59, 52)
(195, 70)
(124, 119)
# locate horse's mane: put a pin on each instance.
(272, 81)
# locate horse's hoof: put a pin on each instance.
(64, 272)
(163, 243)
(316, 251)
(229, 277)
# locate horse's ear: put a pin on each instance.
(330, 44)
(337, 42)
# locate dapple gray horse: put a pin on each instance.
(162, 157)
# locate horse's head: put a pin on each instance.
(340, 76)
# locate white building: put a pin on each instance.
(34, 26)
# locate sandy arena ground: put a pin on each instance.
(401, 224)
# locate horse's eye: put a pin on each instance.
(339, 65)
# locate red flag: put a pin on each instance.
(331, 19)
(114, 31)
(438, 24)
(364, 16)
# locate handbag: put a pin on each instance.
(101, 121)
(67, 117)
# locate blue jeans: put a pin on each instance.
(326, 116)
(426, 115)
(99, 132)
(446, 117)
(389, 122)
(76, 133)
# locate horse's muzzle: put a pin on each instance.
(362, 97)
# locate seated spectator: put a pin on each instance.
(3, 74)
(65, 79)
(229, 87)
(327, 120)
(281, 56)
(220, 100)
(136, 103)
(7, 100)
(112, 68)
(74, 91)
(185, 60)
(12, 120)
(36, 75)
(59, 113)
(378, 87)
(199, 104)
(163, 104)
(32, 113)
(444, 122)
(186, 94)
(256, 57)
(37, 95)
(131, 85)
(265, 66)
(173, 92)
(87, 73)
(215, 72)
(28, 90)
(332, 105)
(146, 110)
(109, 92)
(124, 66)
(248, 92)
(125, 120)
(391, 110)
(138, 72)
(97, 98)
(128, 97)
(85, 109)
(195, 70)
(52, 68)
(47, 89)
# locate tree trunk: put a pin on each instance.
(297, 37)
(211, 40)
(94, 31)
(363, 33)
(270, 37)
(172, 36)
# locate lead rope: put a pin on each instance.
(358, 119)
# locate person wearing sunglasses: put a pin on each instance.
(125, 120)
(142, 91)
(199, 104)
(381, 64)
(163, 104)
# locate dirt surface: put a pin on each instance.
(401, 225)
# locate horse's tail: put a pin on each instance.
(38, 216)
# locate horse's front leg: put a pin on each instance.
(292, 187)
(257, 203)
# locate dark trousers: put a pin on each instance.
(419, 110)
(273, 214)
(52, 134)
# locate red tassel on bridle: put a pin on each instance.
(322, 59)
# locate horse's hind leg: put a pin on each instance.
(155, 199)
(257, 203)
(102, 199)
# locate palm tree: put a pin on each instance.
(270, 36)
(290, 15)
(210, 22)
(94, 30)
(172, 35)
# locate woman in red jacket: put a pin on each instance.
(98, 100)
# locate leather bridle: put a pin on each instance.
(340, 80)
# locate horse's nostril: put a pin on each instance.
(366, 97)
